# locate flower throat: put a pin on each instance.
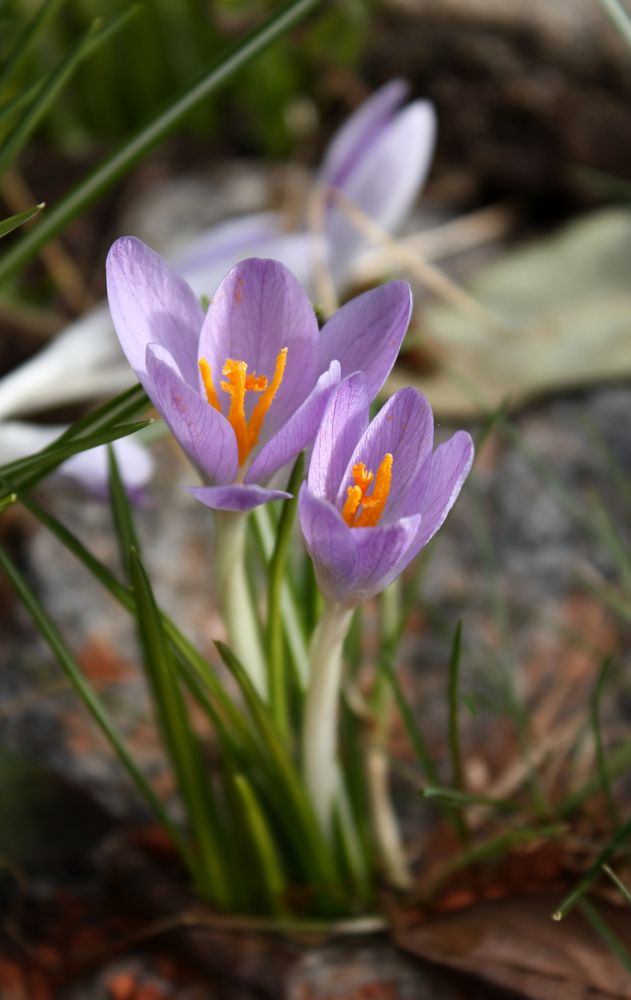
(372, 505)
(237, 384)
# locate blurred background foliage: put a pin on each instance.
(164, 47)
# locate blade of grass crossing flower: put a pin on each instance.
(25, 472)
(161, 125)
(90, 699)
(620, 17)
(121, 513)
(453, 701)
(21, 47)
(606, 935)
(601, 760)
(278, 686)
(179, 737)
(13, 221)
(298, 811)
(225, 716)
(267, 863)
(124, 406)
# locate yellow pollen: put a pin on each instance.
(237, 383)
(372, 505)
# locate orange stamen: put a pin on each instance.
(237, 383)
(266, 400)
(372, 506)
(207, 379)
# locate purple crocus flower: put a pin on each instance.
(376, 493)
(244, 387)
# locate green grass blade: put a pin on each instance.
(275, 641)
(268, 867)
(160, 126)
(456, 797)
(453, 725)
(226, 718)
(13, 221)
(594, 873)
(601, 759)
(121, 513)
(606, 935)
(23, 44)
(89, 698)
(619, 16)
(180, 739)
(25, 472)
(127, 404)
(46, 97)
(617, 881)
(412, 729)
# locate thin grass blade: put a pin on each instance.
(161, 125)
(268, 866)
(13, 221)
(179, 738)
(21, 47)
(90, 698)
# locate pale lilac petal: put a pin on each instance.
(450, 466)
(353, 138)
(258, 309)
(404, 427)
(207, 260)
(330, 544)
(204, 434)
(237, 497)
(383, 553)
(384, 184)
(366, 333)
(151, 304)
(298, 432)
(345, 420)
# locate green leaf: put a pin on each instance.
(88, 695)
(268, 867)
(161, 125)
(180, 739)
(13, 221)
(453, 700)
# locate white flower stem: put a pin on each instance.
(322, 709)
(234, 596)
(384, 820)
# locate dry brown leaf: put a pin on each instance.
(516, 945)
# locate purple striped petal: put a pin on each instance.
(298, 432)
(366, 333)
(151, 304)
(450, 466)
(352, 140)
(236, 497)
(204, 434)
(330, 545)
(345, 420)
(258, 309)
(404, 427)
(383, 553)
